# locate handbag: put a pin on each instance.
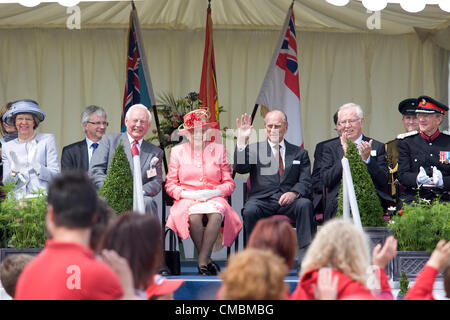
(172, 256)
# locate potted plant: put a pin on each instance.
(370, 210)
(22, 223)
(418, 227)
(117, 190)
(404, 286)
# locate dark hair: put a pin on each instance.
(276, 235)
(73, 198)
(137, 238)
(4, 109)
(11, 268)
(103, 216)
(335, 117)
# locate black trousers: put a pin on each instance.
(300, 210)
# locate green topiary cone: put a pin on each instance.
(369, 205)
(117, 189)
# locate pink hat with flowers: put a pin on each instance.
(195, 119)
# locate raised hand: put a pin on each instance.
(365, 148)
(344, 142)
(244, 129)
(422, 177)
(382, 255)
(438, 180)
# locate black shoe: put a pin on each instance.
(164, 271)
(213, 268)
(203, 270)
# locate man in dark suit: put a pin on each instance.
(318, 187)
(137, 121)
(424, 157)
(351, 121)
(78, 155)
(407, 108)
(280, 177)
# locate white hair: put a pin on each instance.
(136, 106)
(354, 106)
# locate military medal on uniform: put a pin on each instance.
(444, 157)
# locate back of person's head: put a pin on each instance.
(446, 277)
(10, 270)
(104, 215)
(342, 246)
(137, 238)
(276, 235)
(74, 200)
(254, 274)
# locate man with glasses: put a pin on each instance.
(78, 155)
(351, 121)
(424, 157)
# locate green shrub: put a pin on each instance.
(420, 225)
(117, 189)
(369, 205)
(22, 221)
(404, 284)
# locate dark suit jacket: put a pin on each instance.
(75, 156)
(101, 159)
(258, 160)
(316, 181)
(331, 173)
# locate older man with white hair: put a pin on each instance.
(137, 121)
(351, 121)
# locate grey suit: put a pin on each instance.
(267, 187)
(102, 157)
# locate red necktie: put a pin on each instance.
(134, 149)
(280, 162)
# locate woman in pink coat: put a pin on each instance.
(199, 179)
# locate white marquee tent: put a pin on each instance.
(341, 59)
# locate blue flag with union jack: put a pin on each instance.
(138, 86)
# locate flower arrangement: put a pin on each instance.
(171, 112)
(420, 225)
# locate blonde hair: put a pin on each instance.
(341, 246)
(254, 274)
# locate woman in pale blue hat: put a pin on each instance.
(30, 160)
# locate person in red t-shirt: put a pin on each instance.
(67, 269)
(341, 246)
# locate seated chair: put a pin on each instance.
(246, 188)
(167, 202)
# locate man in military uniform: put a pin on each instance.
(423, 161)
(409, 119)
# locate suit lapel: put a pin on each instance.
(145, 153)
(84, 155)
(289, 156)
(127, 147)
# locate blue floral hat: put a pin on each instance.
(23, 106)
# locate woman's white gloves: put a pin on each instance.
(200, 195)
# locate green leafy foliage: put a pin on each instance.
(22, 221)
(117, 189)
(369, 205)
(420, 225)
(404, 284)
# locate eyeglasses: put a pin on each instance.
(99, 123)
(350, 121)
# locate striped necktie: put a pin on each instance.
(280, 162)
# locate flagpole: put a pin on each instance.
(152, 98)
